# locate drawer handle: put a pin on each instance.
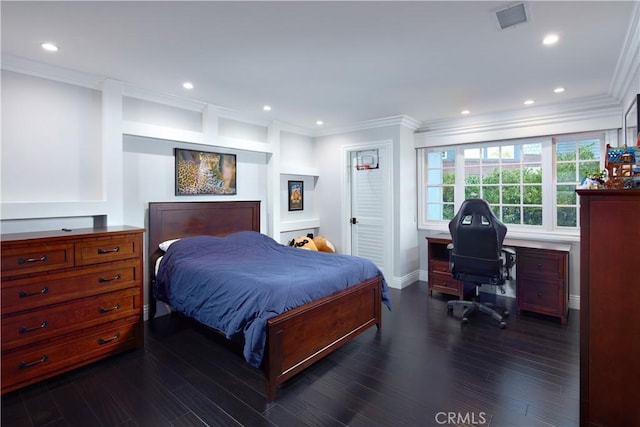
(539, 265)
(24, 330)
(21, 261)
(23, 294)
(540, 294)
(23, 365)
(107, 340)
(105, 310)
(104, 279)
(106, 251)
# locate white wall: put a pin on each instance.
(331, 192)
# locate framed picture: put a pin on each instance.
(296, 195)
(204, 173)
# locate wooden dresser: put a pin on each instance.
(69, 298)
(609, 299)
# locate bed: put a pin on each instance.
(293, 339)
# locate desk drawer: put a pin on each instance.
(439, 266)
(445, 283)
(542, 296)
(28, 259)
(540, 263)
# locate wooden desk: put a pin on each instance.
(542, 274)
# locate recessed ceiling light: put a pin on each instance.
(465, 112)
(50, 47)
(529, 102)
(267, 108)
(187, 85)
(559, 90)
(550, 39)
(319, 122)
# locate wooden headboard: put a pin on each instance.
(172, 220)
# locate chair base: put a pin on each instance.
(487, 308)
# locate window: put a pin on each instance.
(575, 158)
(509, 177)
(439, 182)
(529, 184)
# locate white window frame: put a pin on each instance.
(549, 228)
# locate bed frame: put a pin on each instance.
(297, 338)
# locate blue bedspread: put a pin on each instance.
(236, 283)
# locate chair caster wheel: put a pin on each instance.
(502, 325)
(505, 314)
(464, 321)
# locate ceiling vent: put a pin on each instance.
(514, 14)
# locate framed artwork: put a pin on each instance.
(204, 173)
(296, 195)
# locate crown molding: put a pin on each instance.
(586, 108)
(405, 121)
(628, 65)
(51, 72)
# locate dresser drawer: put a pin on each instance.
(107, 249)
(542, 296)
(32, 292)
(27, 259)
(44, 360)
(545, 264)
(62, 319)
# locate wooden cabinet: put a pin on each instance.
(609, 316)
(68, 299)
(542, 274)
(439, 277)
(543, 281)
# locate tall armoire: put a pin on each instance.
(609, 307)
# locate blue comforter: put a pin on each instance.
(236, 283)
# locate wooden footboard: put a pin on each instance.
(300, 337)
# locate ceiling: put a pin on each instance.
(340, 62)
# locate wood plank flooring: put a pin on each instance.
(422, 369)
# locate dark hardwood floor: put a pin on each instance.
(422, 369)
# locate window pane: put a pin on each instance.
(532, 174)
(532, 215)
(511, 176)
(532, 195)
(565, 151)
(511, 215)
(566, 172)
(448, 212)
(511, 195)
(447, 194)
(472, 192)
(491, 175)
(491, 194)
(567, 217)
(589, 149)
(434, 194)
(434, 176)
(566, 195)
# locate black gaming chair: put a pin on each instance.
(475, 256)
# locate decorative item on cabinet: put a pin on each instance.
(69, 298)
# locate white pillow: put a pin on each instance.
(164, 246)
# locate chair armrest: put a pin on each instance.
(509, 251)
